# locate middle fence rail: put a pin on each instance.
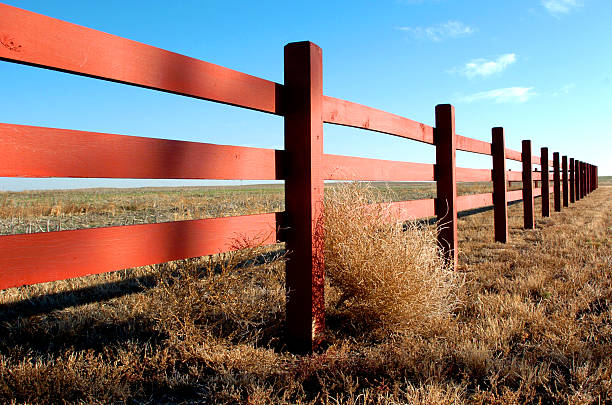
(27, 151)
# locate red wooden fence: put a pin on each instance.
(26, 151)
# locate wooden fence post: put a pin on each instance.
(582, 181)
(500, 204)
(577, 179)
(528, 215)
(572, 182)
(446, 181)
(586, 179)
(565, 181)
(589, 178)
(557, 181)
(545, 182)
(586, 183)
(303, 102)
(581, 172)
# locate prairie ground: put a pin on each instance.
(533, 322)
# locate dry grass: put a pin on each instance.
(55, 210)
(535, 326)
(385, 276)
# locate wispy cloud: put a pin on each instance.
(440, 32)
(558, 7)
(564, 90)
(486, 67)
(505, 95)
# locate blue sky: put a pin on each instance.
(540, 68)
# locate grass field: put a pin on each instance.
(533, 322)
(54, 210)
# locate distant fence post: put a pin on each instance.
(586, 179)
(446, 181)
(577, 175)
(565, 181)
(303, 102)
(500, 204)
(586, 184)
(582, 181)
(557, 181)
(572, 182)
(590, 177)
(528, 215)
(545, 182)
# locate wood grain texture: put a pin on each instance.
(27, 151)
(473, 145)
(342, 112)
(42, 41)
(471, 201)
(446, 182)
(41, 257)
(336, 167)
(304, 271)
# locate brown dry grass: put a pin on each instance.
(53, 210)
(534, 326)
(385, 276)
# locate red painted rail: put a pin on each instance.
(337, 167)
(48, 152)
(26, 151)
(40, 257)
(341, 112)
(43, 41)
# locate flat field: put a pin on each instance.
(533, 324)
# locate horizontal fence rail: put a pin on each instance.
(49, 256)
(48, 152)
(28, 151)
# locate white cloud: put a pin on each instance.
(557, 7)
(505, 95)
(439, 32)
(485, 67)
